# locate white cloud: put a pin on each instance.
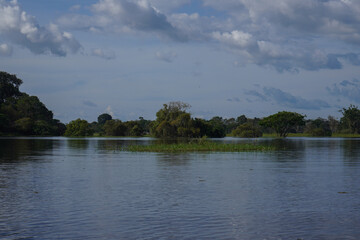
(22, 29)
(167, 6)
(236, 38)
(124, 16)
(110, 111)
(287, 35)
(5, 50)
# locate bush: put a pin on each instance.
(247, 130)
(319, 132)
(78, 128)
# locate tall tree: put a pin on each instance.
(9, 86)
(103, 118)
(283, 122)
(351, 119)
(173, 121)
(78, 128)
(114, 128)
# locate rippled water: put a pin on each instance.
(58, 188)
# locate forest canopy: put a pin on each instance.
(22, 114)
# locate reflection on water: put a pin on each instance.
(78, 144)
(59, 188)
(15, 149)
(351, 151)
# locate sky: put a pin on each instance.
(224, 58)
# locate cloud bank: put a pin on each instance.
(270, 94)
(288, 35)
(119, 16)
(346, 89)
(22, 29)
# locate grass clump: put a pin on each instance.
(198, 147)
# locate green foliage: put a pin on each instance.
(319, 132)
(58, 128)
(333, 124)
(114, 128)
(43, 128)
(23, 114)
(283, 122)
(9, 86)
(173, 121)
(203, 146)
(217, 128)
(103, 118)
(318, 128)
(4, 122)
(78, 128)
(351, 119)
(230, 125)
(241, 119)
(135, 128)
(24, 126)
(31, 107)
(247, 130)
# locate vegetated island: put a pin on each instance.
(203, 146)
(25, 115)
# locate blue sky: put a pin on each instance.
(224, 58)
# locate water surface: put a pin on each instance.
(59, 188)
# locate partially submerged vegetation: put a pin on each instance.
(24, 115)
(207, 146)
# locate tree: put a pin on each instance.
(24, 126)
(173, 121)
(247, 130)
(32, 107)
(241, 119)
(333, 124)
(217, 128)
(351, 119)
(230, 125)
(103, 118)
(318, 127)
(114, 128)
(4, 123)
(283, 122)
(78, 128)
(24, 114)
(9, 86)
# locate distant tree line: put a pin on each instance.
(21, 114)
(173, 120)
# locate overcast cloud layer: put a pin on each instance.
(303, 55)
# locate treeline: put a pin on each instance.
(173, 120)
(21, 114)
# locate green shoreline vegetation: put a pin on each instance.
(198, 147)
(25, 115)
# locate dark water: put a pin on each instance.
(58, 188)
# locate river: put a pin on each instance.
(65, 188)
